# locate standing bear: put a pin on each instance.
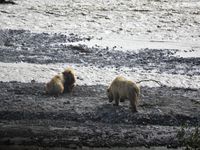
(121, 89)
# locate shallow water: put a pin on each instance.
(152, 20)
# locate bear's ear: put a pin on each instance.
(64, 73)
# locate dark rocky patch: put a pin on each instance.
(43, 48)
(7, 2)
(30, 117)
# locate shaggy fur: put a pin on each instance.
(56, 85)
(121, 89)
(69, 77)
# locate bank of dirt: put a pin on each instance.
(44, 48)
(167, 116)
(30, 117)
(43, 35)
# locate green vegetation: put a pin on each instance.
(189, 138)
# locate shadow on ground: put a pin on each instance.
(30, 117)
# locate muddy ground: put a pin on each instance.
(85, 118)
(29, 117)
(43, 48)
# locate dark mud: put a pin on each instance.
(43, 48)
(158, 106)
(7, 2)
(30, 117)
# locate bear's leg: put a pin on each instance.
(71, 89)
(133, 106)
(116, 98)
(133, 102)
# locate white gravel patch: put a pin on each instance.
(91, 75)
(128, 43)
(192, 52)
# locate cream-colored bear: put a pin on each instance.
(121, 89)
